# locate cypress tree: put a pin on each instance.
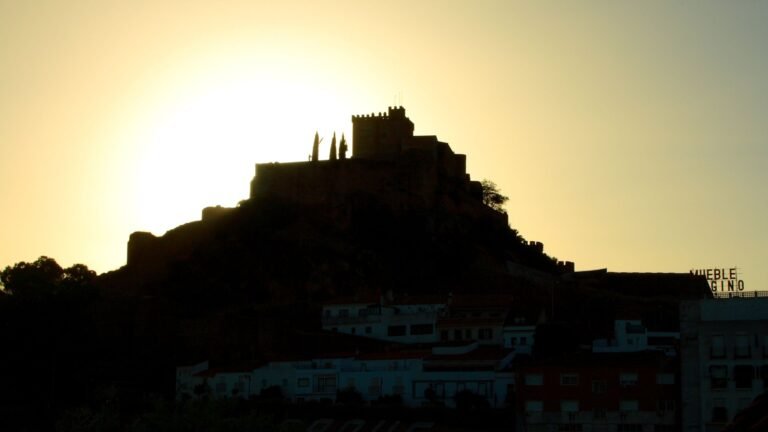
(333, 148)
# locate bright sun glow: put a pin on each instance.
(201, 142)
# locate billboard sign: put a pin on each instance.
(721, 279)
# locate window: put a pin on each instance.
(327, 313)
(742, 350)
(569, 406)
(534, 406)
(743, 375)
(718, 376)
(571, 379)
(719, 411)
(523, 340)
(353, 330)
(304, 382)
(629, 405)
(485, 334)
(599, 386)
(398, 388)
(368, 330)
(239, 388)
(513, 341)
(221, 387)
(468, 334)
(665, 378)
(628, 379)
(482, 389)
(665, 406)
(326, 384)
(422, 329)
(764, 375)
(534, 379)
(343, 313)
(599, 414)
(439, 389)
(374, 389)
(765, 346)
(444, 335)
(717, 347)
(396, 330)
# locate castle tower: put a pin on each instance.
(382, 136)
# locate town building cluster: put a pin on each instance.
(667, 356)
(696, 376)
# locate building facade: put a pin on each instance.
(599, 392)
(724, 359)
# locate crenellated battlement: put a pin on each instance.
(381, 136)
(392, 112)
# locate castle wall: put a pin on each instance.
(399, 185)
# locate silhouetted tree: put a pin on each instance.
(78, 276)
(492, 196)
(343, 148)
(333, 148)
(316, 148)
(44, 277)
(32, 279)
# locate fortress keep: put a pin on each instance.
(387, 160)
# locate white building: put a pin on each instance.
(633, 336)
(199, 380)
(403, 320)
(519, 330)
(475, 317)
(724, 359)
(446, 370)
(379, 375)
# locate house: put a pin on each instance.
(633, 336)
(481, 370)
(406, 319)
(475, 318)
(519, 331)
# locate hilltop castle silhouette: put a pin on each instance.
(392, 176)
(387, 159)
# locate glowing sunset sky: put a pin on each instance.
(628, 135)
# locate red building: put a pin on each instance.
(610, 392)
